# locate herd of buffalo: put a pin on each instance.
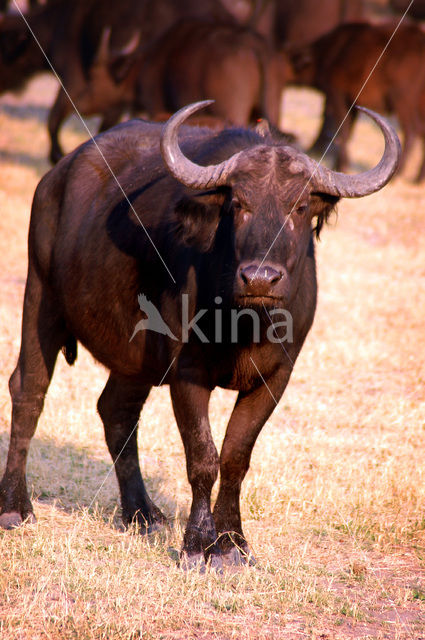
(212, 224)
(152, 57)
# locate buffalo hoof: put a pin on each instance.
(238, 558)
(196, 562)
(153, 522)
(193, 562)
(145, 528)
(154, 527)
(13, 519)
(215, 562)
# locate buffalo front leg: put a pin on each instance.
(190, 404)
(421, 173)
(337, 110)
(43, 335)
(248, 417)
(119, 407)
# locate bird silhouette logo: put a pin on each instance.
(153, 322)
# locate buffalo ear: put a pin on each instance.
(322, 205)
(198, 217)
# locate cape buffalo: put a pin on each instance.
(70, 34)
(193, 59)
(185, 48)
(346, 65)
(221, 226)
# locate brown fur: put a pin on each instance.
(247, 246)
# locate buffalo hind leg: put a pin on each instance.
(119, 407)
(248, 417)
(43, 334)
(346, 125)
(324, 142)
(60, 110)
(190, 404)
(409, 127)
(337, 110)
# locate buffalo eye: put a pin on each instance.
(241, 214)
(236, 205)
(301, 209)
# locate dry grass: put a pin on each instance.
(334, 501)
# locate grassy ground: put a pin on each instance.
(334, 501)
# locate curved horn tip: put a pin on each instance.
(369, 112)
(184, 113)
(183, 169)
(388, 130)
(363, 184)
(168, 141)
(382, 122)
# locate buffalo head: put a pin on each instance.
(276, 194)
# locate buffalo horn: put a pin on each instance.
(354, 186)
(324, 180)
(184, 170)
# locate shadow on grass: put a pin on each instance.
(73, 479)
(25, 111)
(38, 163)
(28, 111)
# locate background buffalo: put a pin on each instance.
(72, 34)
(340, 65)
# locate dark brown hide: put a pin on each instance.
(416, 9)
(96, 90)
(197, 60)
(239, 242)
(300, 22)
(340, 63)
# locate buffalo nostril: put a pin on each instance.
(269, 275)
(244, 276)
(272, 276)
(254, 275)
